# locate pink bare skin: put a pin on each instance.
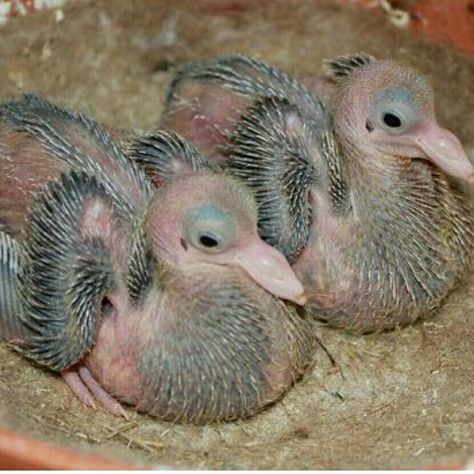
(205, 115)
(20, 175)
(204, 108)
(320, 86)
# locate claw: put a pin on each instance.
(101, 395)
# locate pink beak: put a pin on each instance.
(270, 269)
(445, 150)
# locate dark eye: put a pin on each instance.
(391, 120)
(209, 229)
(208, 241)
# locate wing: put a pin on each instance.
(165, 155)
(207, 98)
(39, 141)
(74, 244)
(282, 157)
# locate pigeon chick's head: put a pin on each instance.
(389, 109)
(209, 219)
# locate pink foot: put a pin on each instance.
(85, 387)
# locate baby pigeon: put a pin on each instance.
(161, 300)
(357, 198)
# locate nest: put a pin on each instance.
(401, 399)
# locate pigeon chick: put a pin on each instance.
(157, 300)
(358, 201)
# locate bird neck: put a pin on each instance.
(407, 209)
(388, 185)
(197, 281)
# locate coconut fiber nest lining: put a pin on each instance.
(401, 399)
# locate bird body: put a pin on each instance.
(209, 335)
(353, 189)
(157, 298)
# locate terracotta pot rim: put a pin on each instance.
(23, 452)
